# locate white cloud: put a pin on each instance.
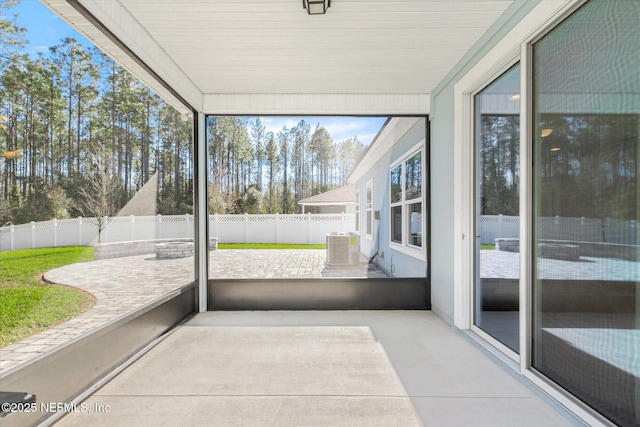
(275, 124)
(39, 49)
(340, 128)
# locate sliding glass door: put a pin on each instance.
(586, 287)
(497, 172)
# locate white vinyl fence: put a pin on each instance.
(304, 229)
(498, 226)
(562, 228)
(298, 228)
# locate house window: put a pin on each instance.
(369, 212)
(357, 211)
(406, 201)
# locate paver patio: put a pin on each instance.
(122, 285)
(506, 265)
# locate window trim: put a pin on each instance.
(404, 247)
(357, 216)
(368, 209)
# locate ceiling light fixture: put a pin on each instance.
(555, 149)
(546, 132)
(316, 7)
(515, 97)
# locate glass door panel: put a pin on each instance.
(497, 127)
(586, 123)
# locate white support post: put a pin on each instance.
(309, 228)
(79, 231)
(12, 230)
(103, 238)
(246, 227)
(158, 226)
(132, 227)
(55, 233)
(201, 218)
(526, 212)
(215, 224)
(33, 235)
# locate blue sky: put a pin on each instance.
(46, 29)
(340, 128)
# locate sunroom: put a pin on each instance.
(504, 187)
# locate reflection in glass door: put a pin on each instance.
(586, 247)
(497, 272)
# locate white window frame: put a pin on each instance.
(474, 176)
(514, 46)
(358, 222)
(369, 220)
(404, 246)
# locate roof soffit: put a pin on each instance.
(114, 17)
(223, 55)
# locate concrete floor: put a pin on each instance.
(317, 368)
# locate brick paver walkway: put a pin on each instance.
(122, 285)
(506, 265)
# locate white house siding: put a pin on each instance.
(442, 202)
(403, 265)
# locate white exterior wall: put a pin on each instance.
(442, 206)
(447, 259)
(394, 262)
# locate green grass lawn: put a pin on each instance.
(28, 305)
(488, 247)
(268, 246)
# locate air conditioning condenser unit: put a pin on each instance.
(343, 249)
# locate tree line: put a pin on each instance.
(499, 155)
(586, 165)
(74, 124)
(255, 171)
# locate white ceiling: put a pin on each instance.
(231, 54)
